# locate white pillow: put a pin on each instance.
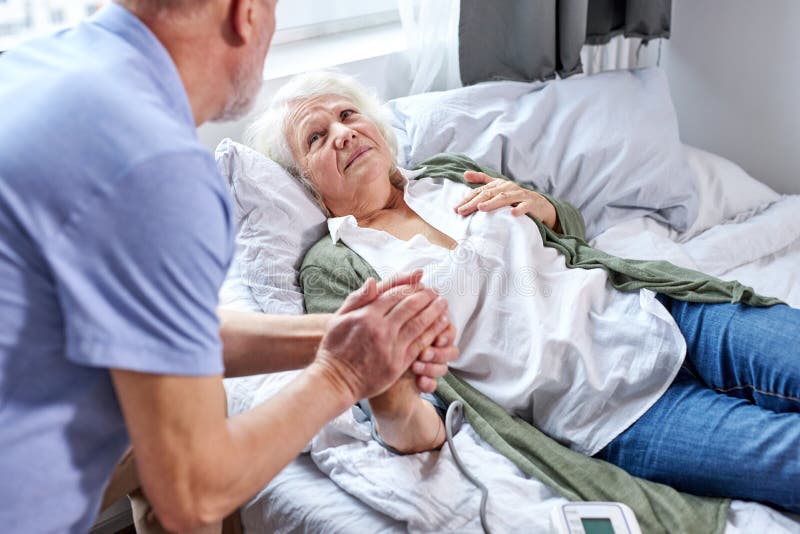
(233, 294)
(607, 143)
(726, 192)
(278, 222)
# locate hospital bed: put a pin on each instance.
(609, 144)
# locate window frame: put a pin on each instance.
(303, 24)
(72, 12)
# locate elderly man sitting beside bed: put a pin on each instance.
(670, 374)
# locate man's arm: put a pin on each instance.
(196, 465)
(256, 343)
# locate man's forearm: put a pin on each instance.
(256, 343)
(288, 422)
(195, 464)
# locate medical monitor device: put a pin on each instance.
(594, 518)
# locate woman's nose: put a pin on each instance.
(342, 135)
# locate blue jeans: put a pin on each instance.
(729, 425)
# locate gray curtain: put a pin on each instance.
(530, 40)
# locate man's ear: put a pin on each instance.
(243, 19)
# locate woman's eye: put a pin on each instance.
(346, 113)
(312, 138)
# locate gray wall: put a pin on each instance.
(734, 72)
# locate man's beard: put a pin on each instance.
(247, 81)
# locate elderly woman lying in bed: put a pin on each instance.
(672, 375)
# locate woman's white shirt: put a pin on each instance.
(559, 347)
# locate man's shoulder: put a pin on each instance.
(96, 86)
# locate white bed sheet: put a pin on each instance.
(424, 493)
(761, 250)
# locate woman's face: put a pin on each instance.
(340, 150)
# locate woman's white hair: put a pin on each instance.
(268, 133)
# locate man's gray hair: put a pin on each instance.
(267, 134)
(160, 8)
(165, 4)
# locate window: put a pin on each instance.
(303, 19)
(296, 19)
(24, 19)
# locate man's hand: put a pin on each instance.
(378, 332)
(435, 347)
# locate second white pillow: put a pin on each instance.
(278, 222)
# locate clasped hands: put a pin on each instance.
(387, 342)
(381, 330)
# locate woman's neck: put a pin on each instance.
(398, 219)
(381, 197)
(395, 202)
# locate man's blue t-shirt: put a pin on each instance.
(115, 234)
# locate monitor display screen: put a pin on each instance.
(597, 526)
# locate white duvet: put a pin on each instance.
(760, 248)
(426, 492)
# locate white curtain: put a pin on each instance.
(431, 29)
(620, 53)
